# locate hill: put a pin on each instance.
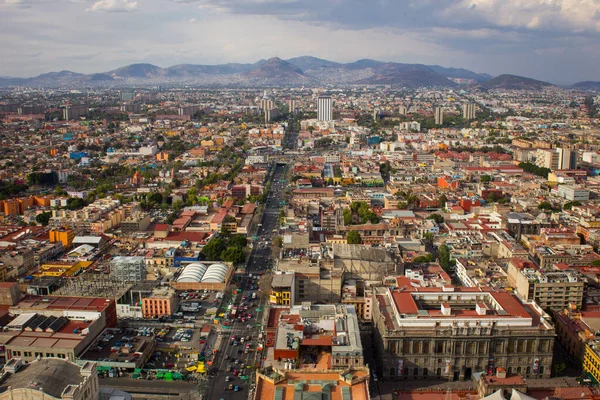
(407, 75)
(586, 85)
(306, 63)
(515, 82)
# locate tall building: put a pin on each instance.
(469, 111)
(324, 108)
(402, 110)
(439, 115)
(74, 112)
(567, 158)
(127, 96)
(546, 159)
(266, 104)
(292, 106)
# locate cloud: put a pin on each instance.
(114, 6)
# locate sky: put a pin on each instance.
(553, 40)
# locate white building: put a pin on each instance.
(573, 193)
(324, 108)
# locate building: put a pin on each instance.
(274, 383)
(551, 290)
(314, 283)
(291, 106)
(439, 115)
(49, 379)
(453, 333)
(203, 276)
(546, 159)
(324, 336)
(573, 193)
(74, 112)
(567, 158)
(63, 235)
(10, 293)
(127, 269)
(469, 111)
(591, 361)
(282, 289)
(402, 110)
(137, 222)
(162, 301)
(324, 108)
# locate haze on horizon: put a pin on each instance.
(556, 40)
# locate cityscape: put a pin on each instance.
(284, 200)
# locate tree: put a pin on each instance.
(437, 218)
(75, 203)
(444, 256)
(485, 179)
(278, 241)
(347, 217)
(177, 205)
(443, 199)
(354, 238)
(570, 204)
(43, 218)
(545, 205)
(428, 257)
(235, 255)
(155, 198)
(213, 249)
(238, 241)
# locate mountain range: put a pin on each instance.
(298, 71)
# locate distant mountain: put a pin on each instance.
(223, 69)
(514, 82)
(586, 85)
(305, 70)
(277, 72)
(407, 75)
(138, 71)
(306, 63)
(460, 73)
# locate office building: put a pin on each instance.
(453, 333)
(573, 193)
(402, 110)
(292, 106)
(282, 289)
(127, 96)
(469, 111)
(324, 108)
(546, 159)
(439, 115)
(162, 301)
(567, 158)
(74, 112)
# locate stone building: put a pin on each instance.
(453, 333)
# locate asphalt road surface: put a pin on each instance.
(259, 260)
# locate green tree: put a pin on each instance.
(444, 256)
(354, 238)
(347, 217)
(43, 218)
(545, 205)
(238, 241)
(235, 255)
(213, 249)
(278, 241)
(485, 179)
(437, 218)
(177, 205)
(155, 198)
(443, 199)
(428, 257)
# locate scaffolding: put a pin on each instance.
(127, 269)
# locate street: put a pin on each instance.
(231, 352)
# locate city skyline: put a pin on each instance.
(552, 42)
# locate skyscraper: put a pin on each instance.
(324, 108)
(567, 158)
(292, 106)
(469, 111)
(439, 115)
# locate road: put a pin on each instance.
(259, 261)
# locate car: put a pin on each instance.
(227, 378)
(230, 387)
(227, 356)
(236, 362)
(228, 369)
(235, 372)
(236, 388)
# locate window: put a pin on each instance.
(27, 354)
(17, 353)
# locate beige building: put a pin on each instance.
(162, 301)
(452, 333)
(313, 283)
(551, 290)
(49, 379)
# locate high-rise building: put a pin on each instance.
(127, 96)
(324, 108)
(74, 112)
(567, 158)
(439, 115)
(402, 110)
(266, 104)
(292, 106)
(546, 159)
(469, 111)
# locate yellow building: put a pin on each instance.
(62, 269)
(282, 289)
(591, 361)
(63, 235)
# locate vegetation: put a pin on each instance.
(437, 218)
(354, 238)
(43, 218)
(428, 257)
(534, 169)
(444, 256)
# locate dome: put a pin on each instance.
(192, 273)
(215, 273)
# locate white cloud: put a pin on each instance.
(114, 6)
